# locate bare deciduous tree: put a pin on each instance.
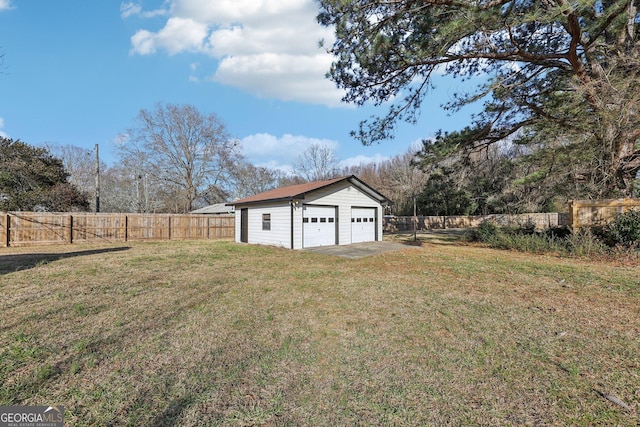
(183, 151)
(317, 163)
(80, 164)
(397, 178)
(249, 180)
(405, 180)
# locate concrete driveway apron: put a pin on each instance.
(359, 250)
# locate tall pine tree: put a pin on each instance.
(558, 75)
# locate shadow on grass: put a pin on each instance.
(174, 411)
(17, 262)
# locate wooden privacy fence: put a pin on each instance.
(37, 228)
(540, 220)
(593, 212)
(581, 213)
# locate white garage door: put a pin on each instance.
(318, 226)
(363, 225)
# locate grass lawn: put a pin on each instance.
(216, 333)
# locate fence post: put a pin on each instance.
(126, 228)
(70, 229)
(169, 225)
(7, 230)
(574, 217)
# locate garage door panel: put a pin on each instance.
(363, 225)
(318, 226)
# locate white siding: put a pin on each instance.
(238, 227)
(297, 225)
(280, 233)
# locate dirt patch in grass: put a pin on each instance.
(216, 333)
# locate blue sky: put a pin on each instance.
(77, 72)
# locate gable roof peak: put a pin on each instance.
(299, 190)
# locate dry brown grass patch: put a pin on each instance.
(215, 333)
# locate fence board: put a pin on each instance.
(221, 227)
(38, 228)
(44, 228)
(594, 212)
(5, 222)
(148, 227)
(540, 220)
(106, 227)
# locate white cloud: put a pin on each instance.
(128, 9)
(363, 160)
(280, 76)
(192, 76)
(178, 35)
(267, 150)
(131, 8)
(2, 134)
(265, 47)
(143, 43)
(6, 5)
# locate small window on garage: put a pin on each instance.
(305, 220)
(370, 219)
(331, 219)
(314, 219)
(358, 219)
(364, 219)
(266, 222)
(323, 219)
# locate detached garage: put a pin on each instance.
(339, 211)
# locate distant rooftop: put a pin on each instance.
(217, 209)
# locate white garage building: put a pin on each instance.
(339, 211)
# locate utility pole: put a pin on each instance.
(415, 220)
(97, 209)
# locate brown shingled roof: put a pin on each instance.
(298, 191)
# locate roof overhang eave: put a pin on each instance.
(262, 202)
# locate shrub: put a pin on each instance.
(486, 232)
(623, 230)
(584, 242)
(522, 241)
(558, 232)
(559, 240)
(527, 228)
(522, 238)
